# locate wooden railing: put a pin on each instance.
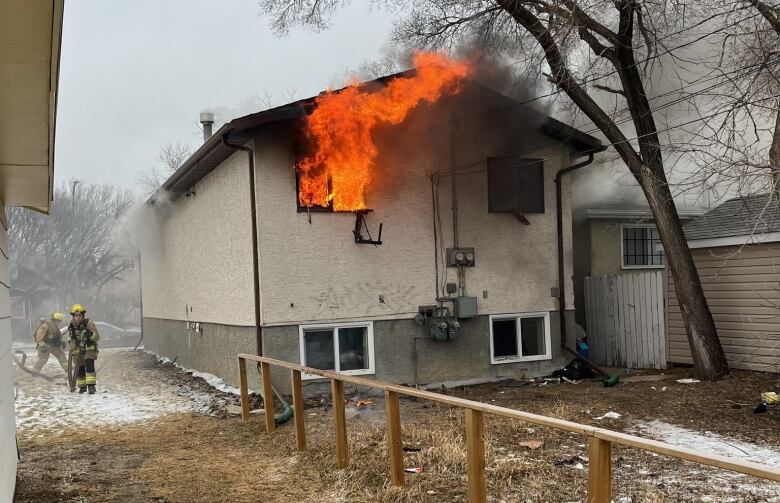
(599, 449)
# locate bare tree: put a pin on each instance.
(583, 49)
(171, 157)
(72, 247)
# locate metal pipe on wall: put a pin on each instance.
(559, 211)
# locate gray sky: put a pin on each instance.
(135, 74)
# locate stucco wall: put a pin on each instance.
(313, 271)
(201, 257)
(8, 457)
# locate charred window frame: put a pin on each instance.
(515, 185)
(309, 209)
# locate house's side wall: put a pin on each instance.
(312, 270)
(740, 285)
(8, 455)
(198, 267)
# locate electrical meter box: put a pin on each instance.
(465, 307)
(460, 257)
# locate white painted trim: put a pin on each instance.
(368, 325)
(520, 358)
(745, 239)
(633, 214)
(630, 267)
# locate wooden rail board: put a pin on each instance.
(601, 440)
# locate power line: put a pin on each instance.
(464, 167)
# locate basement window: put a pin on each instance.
(520, 337)
(346, 348)
(641, 247)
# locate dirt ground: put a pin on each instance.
(195, 452)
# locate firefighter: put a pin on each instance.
(48, 341)
(83, 347)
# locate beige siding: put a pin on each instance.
(315, 271)
(202, 258)
(742, 287)
(7, 417)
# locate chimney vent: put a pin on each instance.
(206, 120)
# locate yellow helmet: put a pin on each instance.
(57, 316)
(77, 308)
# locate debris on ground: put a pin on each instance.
(531, 444)
(609, 415)
(416, 469)
(688, 380)
(575, 370)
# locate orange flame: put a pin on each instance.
(339, 168)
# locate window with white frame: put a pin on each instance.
(641, 246)
(347, 348)
(520, 337)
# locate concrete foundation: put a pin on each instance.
(403, 352)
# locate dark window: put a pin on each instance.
(319, 349)
(642, 247)
(515, 185)
(337, 348)
(505, 338)
(353, 348)
(532, 336)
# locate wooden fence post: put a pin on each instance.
(268, 398)
(340, 422)
(599, 471)
(395, 446)
(475, 451)
(297, 392)
(244, 389)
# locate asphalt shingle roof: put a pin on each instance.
(757, 214)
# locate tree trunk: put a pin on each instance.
(646, 166)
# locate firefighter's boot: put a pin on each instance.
(91, 388)
(82, 389)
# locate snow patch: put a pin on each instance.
(708, 442)
(609, 415)
(729, 486)
(212, 380)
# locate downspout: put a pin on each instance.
(255, 253)
(284, 416)
(559, 210)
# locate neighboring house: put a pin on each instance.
(329, 302)
(29, 66)
(616, 240)
(736, 248)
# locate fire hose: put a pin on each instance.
(21, 365)
(285, 415)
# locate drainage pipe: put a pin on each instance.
(284, 416)
(559, 210)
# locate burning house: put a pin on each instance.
(408, 228)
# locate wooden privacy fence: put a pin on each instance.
(599, 449)
(625, 320)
